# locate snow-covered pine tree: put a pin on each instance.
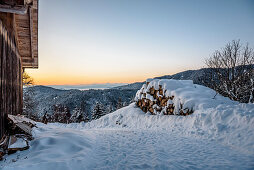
(83, 106)
(77, 115)
(29, 103)
(86, 117)
(98, 111)
(80, 116)
(109, 108)
(66, 114)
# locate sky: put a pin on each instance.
(125, 41)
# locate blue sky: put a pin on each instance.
(123, 41)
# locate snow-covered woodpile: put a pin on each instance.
(171, 97)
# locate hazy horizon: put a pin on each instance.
(98, 42)
(87, 86)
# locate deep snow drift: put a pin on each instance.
(219, 134)
(129, 139)
(231, 124)
(214, 117)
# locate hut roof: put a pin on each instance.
(26, 28)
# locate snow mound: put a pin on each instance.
(218, 135)
(232, 124)
(53, 148)
(216, 118)
(178, 97)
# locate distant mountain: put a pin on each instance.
(46, 97)
(195, 75)
(132, 86)
(87, 87)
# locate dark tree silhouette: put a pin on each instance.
(231, 72)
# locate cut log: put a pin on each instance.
(170, 105)
(164, 102)
(171, 110)
(161, 103)
(151, 110)
(144, 109)
(151, 103)
(161, 91)
(152, 91)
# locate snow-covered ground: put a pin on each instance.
(218, 135)
(220, 138)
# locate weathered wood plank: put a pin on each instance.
(10, 75)
(27, 35)
(25, 29)
(15, 10)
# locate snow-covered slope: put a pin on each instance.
(214, 117)
(217, 138)
(218, 135)
(231, 124)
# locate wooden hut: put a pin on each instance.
(18, 50)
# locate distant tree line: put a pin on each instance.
(62, 114)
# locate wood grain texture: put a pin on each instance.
(26, 27)
(27, 35)
(10, 75)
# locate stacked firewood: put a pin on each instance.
(156, 101)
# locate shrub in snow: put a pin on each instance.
(231, 72)
(174, 97)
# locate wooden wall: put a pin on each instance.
(10, 75)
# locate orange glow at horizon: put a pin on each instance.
(63, 79)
